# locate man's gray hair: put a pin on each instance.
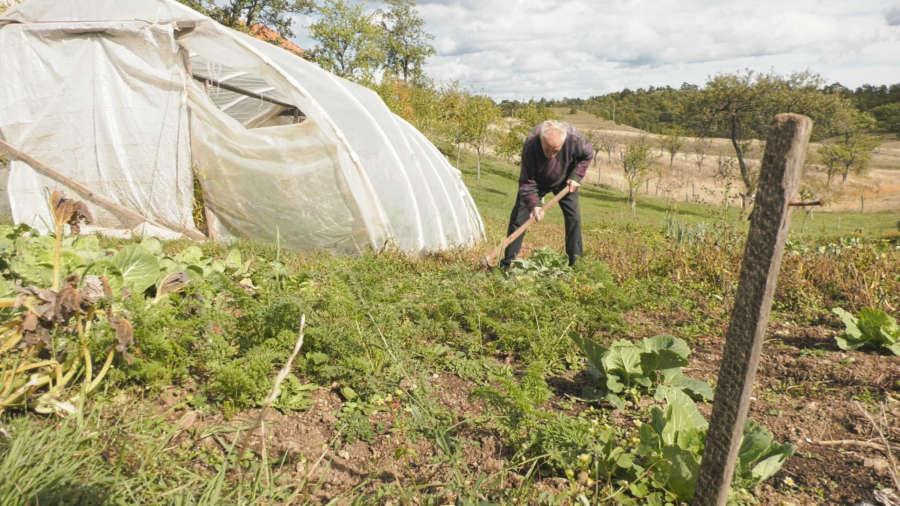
(559, 127)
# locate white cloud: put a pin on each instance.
(518, 49)
(524, 48)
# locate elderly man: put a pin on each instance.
(554, 156)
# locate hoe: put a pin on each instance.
(490, 257)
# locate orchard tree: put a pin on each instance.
(851, 151)
(636, 161)
(673, 143)
(349, 43)
(453, 116)
(480, 113)
(608, 143)
(741, 107)
(700, 150)
(406, 42)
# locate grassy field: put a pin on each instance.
(434, 381)
(606, 208)
(878, 185)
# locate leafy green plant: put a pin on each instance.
(634, 369)
(544, 262)
(675, 438)
(873, 329)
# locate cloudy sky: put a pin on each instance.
(519, 49)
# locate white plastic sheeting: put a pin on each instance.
(107, 103)
(102, 104)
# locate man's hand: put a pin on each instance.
(537, 213)
(573, 185)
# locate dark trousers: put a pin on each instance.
(572, 215)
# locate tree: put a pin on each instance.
(608, 143)
(243, 15)
(419, 103)
(852, 149)
(480, 113)
(673, 143)
(699, 151)
(890, 117)
(453, 105)
(741, 107)
(636, 160)
(509, 144)
(349, 43)
(407, 44)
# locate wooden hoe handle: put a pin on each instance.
(490, 257)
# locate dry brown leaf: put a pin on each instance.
(172, 282)
(125, 337)
(68, 301)
(72, 279)
(107, 291)
(73, 212)
(92, 289)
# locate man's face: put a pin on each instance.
(552, 143)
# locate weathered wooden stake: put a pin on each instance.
(778, 182)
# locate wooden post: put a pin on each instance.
(862, 203)
(778, 182)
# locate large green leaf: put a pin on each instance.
(191, 255)
(233, 261)
(767, 468)
(139, 267)
(754, 444)
(682, 468)
(592, 351)
(661, 360)
(698, 389)
(623, 358)
(681, 414)
(667, 342)
(852, 337)
(153, 245)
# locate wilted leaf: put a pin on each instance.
(172, 282)
(66, 210)
(125, 338)
(68, 302)
(92, 289)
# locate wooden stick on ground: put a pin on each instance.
(276, 389)
(490, 257)
(853, 442)
(91, 195)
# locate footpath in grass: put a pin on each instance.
(432, 381)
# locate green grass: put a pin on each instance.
(604, 207)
